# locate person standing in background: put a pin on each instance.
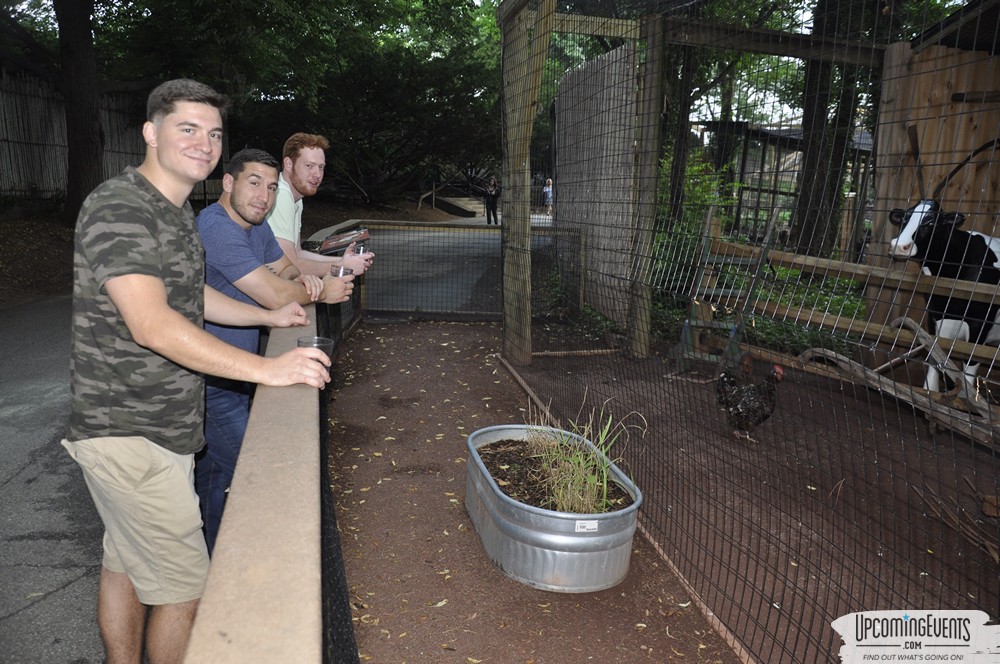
(491, 198)
(138, 358)
(547, 193)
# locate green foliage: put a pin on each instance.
(677, 248)
(792, 338)
(394, 84)
(841, 298)
(578, 480)
(796, 291)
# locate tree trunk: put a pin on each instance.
(808, 227)
(79, 88)
(682, 137)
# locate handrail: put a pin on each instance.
(432, 193)
(263, 600)
(866, 275)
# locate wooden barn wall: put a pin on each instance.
(595, 133)
(33, 151)
(918, 90)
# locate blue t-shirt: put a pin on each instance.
(232, 253)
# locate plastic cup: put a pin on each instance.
(323, 343)
(340, 271)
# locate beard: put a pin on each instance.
(249, 214)
(302, 185)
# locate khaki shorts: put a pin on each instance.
(152, 525)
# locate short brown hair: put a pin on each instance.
(250, 156)
(300, 141)
(163, 99)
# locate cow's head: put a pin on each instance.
(918, 227)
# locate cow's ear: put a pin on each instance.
(956, 219)
(896, 216)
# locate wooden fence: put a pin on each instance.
(33, 149)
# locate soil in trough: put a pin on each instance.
(519, 471)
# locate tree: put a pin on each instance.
(79, 87)
(395, 84)
(831, 98)
(72, 70)
(409, 84)
(695, 75)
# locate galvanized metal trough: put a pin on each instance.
(557, 551)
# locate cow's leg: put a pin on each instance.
(948, 328)
(932, 381)
(971, 369)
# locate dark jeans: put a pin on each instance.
(226, 415)
(492, 210)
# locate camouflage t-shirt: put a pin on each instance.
(120, 388)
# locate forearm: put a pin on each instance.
(284, 291)
(224, 310)
(202, 352)
(166, 332)
(141, 301)
(289, 271)
(319, 265)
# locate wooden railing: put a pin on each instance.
(884, 279)
(263, 599)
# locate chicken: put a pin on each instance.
(747, 403)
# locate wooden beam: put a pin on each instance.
(715, 35)
(619, 28)
(870, 332)
(868, 275)
(526, 38)
(986, 97)
(772, 42)
(509, 8)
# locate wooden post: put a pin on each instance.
(525, 45)
(847, 217)
(648, 146)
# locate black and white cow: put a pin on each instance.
(932, 238)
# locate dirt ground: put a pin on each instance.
(842, 504)
(406, 398)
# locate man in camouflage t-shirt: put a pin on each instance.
(138, 356)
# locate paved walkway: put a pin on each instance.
(50, 535)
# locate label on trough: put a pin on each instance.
(586, 526)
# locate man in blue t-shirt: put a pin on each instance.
(244, 261)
